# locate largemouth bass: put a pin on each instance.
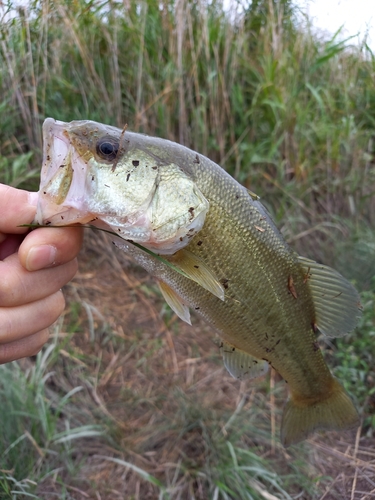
(214, 249)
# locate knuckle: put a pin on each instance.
(52, 307)
(60, 301)
(6, 326)
(10, 352)
(56, 306)
(12, 286)
(7, 288)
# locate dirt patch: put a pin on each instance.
(168, 403)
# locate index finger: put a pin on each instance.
(16, 207)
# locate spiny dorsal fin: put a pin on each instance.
(197, 271)
(337, 302)
(240, 364)
(175, 302)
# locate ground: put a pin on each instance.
(173, 415)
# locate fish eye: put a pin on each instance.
(107, 148)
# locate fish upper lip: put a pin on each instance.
(53, 129)
(56, 149)
(47, 121)
(56, 125)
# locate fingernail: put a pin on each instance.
(40, 257)
(33, 199)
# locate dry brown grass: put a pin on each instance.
(160, 388)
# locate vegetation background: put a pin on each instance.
(127, 402)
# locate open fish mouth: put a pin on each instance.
(61, 201)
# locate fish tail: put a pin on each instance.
(301, 418)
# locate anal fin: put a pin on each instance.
(242, 365)
(175, 302)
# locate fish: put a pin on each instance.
(215, 250)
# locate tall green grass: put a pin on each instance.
(289, 115)
(39, 426)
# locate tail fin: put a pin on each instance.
(336, 412)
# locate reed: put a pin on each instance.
(288, 114)
(128, 403)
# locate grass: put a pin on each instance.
(131, 404)
(127, 402)
(138, 411)
(288, 114)
(353, 357)
(38, 426)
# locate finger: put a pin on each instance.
(10, 245)
(16, 207)
(47, 247)
(27, 346)
(22, 321)
(18, 286)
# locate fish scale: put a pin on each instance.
(226, 259)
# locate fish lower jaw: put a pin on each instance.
(147, 238)
(49, 213)
(161, 240)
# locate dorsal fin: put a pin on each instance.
(196, 270)
(337, 302)
(240, 364)
(175, 302)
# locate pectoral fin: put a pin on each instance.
(337, 302)
(175, 302)
(241, 365)
(196, 270)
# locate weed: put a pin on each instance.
(33, 439)
(354, 358)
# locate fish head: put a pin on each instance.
(98, 174)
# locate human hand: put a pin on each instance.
(32, 271)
